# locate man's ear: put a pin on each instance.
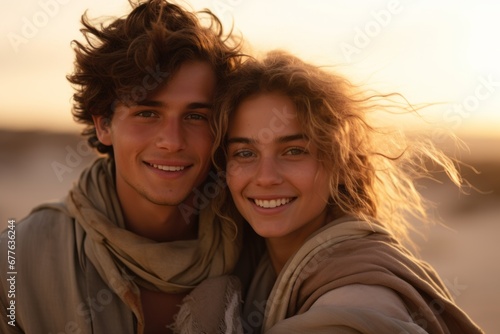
(103, 129)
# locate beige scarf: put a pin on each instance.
(171, 267)
(357, 252)
(279, 299)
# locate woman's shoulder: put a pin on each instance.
(374, 297)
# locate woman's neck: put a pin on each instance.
(281, 249)
(279, 252)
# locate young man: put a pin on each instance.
(135, 235)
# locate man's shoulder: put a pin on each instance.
(46, 242)
(45, 227)
(44, 220)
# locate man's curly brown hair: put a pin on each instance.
(124, 60)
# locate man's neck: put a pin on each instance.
(164, 226)
(161, 223)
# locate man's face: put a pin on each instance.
(162, 145)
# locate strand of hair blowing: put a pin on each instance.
(373, 171)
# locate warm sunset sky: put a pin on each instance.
(429, 50)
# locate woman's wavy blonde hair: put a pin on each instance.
(372, 171)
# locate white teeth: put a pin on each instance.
(169, 168)
(274, 203)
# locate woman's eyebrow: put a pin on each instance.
(286, 139)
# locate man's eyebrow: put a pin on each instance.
(281, 140)
(200, 105)
(193, 105)
(149, 103)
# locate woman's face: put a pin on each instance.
(273, 172)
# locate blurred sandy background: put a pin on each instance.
(430, 51)
(39, 166)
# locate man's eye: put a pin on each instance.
(197, 117)
(146, 114)
(243, 154)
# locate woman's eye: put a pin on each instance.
(295, 151)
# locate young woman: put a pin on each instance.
(331, 195)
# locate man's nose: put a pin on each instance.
(171, 136)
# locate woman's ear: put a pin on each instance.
(103, 129)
